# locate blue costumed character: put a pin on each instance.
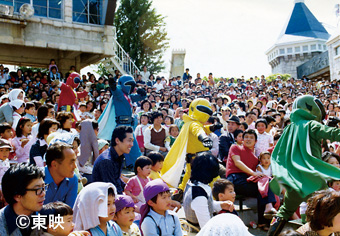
(119, 112)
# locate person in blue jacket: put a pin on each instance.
(119, 112)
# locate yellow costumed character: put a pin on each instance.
(192, 139)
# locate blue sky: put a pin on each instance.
(230, 37)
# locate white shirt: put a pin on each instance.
(263, 141)
(158, 86)
(145, 75)
(200, 206)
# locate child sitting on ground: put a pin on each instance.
(223, 190)
(156, 218)
(135, 185)
(95, 208)
(173, 133)
(157, 164)
(125, 215)
(57, 209)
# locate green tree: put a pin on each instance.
(141, 32)
(273, 77)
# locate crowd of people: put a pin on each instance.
(53, 163)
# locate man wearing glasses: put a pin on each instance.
(24, 190)
(59, 171)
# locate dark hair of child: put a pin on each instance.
(29, 105)
(173, 127)
(171, 119)
(264, 153)
(220, 186)
(141, 162)
(261, 121)
(155, 157)
(4, 127)
(21, 125)
(55, 209)
(143, 115)
(237, 132)
(110, 192)
(154, 199)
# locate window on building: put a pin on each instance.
(319, 45)
(297, 49)
(87, 11)
(305, 48)
(313, 47)
(324, 47)
(337, 51)
(289, 50)
(282, 51)
(44, 8)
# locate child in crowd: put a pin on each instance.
(125, 215)
(30, 111)
(198, 202)
(243, 126)
(5, 148)
(156, 219)
(102, 145)
(95, 209)
(18, 107)
(38, 150)
(168, 121)
(334, 185)
(52, 63)
(140, 129)
(331, 158)
(135, 186)
(81, 112)
(157, 164)
(264, 140)
(238, 134)
(173, 133)
(6, 132)
(23, 140)
(223, 190)
(53, 210)
(264, 165)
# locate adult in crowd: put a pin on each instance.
(323, 214)
(108, 166)
(155, 135)
(24, 190)
(227, 139)
(6, 111)
(241, 164)
(59, 174)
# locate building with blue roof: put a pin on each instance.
(302, 38)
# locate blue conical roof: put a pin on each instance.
(302, 22)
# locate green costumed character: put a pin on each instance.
(296, 159)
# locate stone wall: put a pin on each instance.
(334, 60)
(33, 42)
